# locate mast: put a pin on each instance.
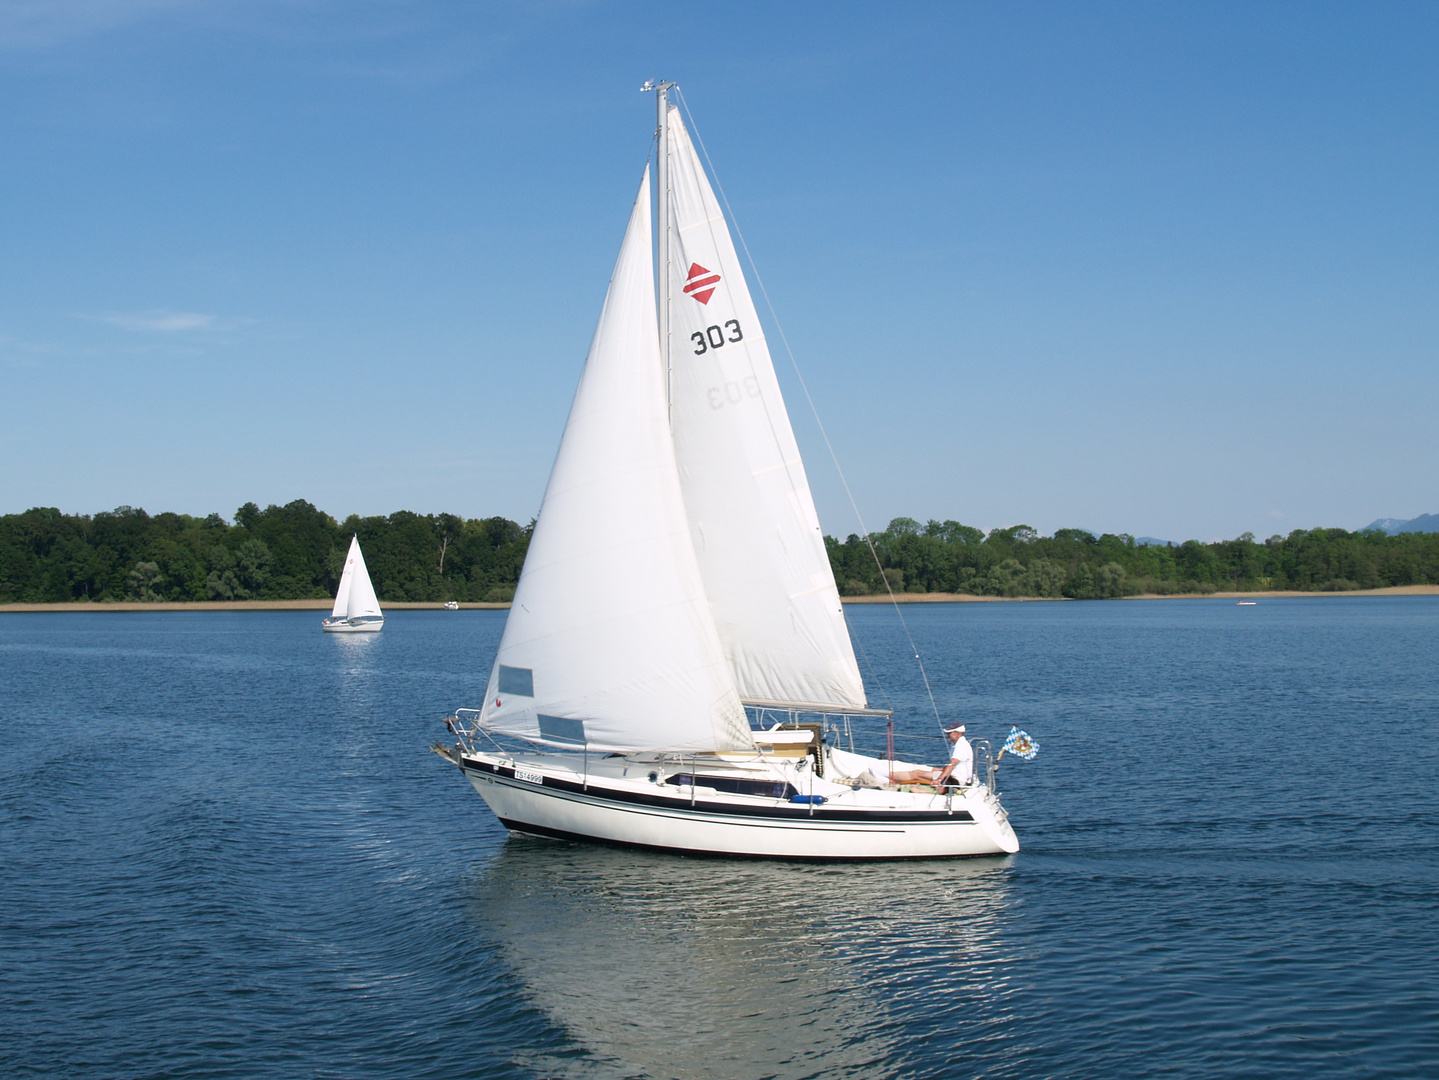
(662, 111)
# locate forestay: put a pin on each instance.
(609, 642)
(752, 518)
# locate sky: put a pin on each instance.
(1167, 270)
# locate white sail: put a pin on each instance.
(609, 642)
(347, 576)
(753, 521)
(362, 601)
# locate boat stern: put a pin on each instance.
(989, 814)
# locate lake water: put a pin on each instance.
(225, 852)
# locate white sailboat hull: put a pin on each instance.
(359, 626)
(540, 798)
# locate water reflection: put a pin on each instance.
(356, 658)
(353, 645)
(692, 968)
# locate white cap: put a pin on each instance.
(956, 727)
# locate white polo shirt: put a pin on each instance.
(962, 754)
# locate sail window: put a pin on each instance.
(517, 680)
(562, 729)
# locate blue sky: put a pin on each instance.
(1154, 268)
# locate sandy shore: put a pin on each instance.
(903, 598)
(1393, 590)
(966, 598)
(934, 598)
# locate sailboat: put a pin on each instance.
(675, 668)
(357, 608)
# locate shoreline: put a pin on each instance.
(479, 605)
(969, 598)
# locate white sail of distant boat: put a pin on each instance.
(357, 608)
(676, 655)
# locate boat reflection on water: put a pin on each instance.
(355, 664)
(688, 968)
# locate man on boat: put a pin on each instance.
(960, 767)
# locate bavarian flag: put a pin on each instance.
(1020, 744)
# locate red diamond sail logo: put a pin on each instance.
(701, 283)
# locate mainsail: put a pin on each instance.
(609, 642)
(347, 577)
(755, 530)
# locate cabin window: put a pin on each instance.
(736, 785)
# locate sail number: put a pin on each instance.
(732, 393)
(529, 776)
(715, 337)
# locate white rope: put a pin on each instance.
(814, 411)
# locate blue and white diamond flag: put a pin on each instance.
(1020, 744)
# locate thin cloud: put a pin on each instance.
(38, 23)
(16, 353)
(165, 322)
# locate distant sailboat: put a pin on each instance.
(357, 608)
(676, 615)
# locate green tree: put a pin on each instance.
(144, 582)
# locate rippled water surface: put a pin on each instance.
(225, 852)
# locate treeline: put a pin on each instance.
(291, 552)
(297, 551)
(953, 558)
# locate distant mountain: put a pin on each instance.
(1425, 523)
(1384, 525)
(1149, 541)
